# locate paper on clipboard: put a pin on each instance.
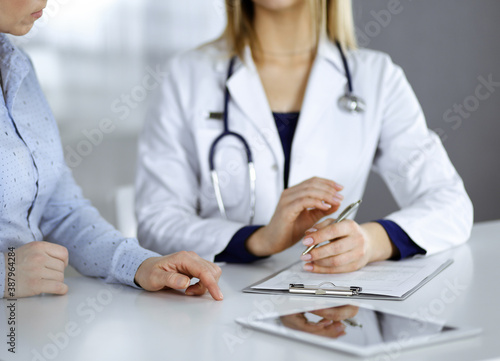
(386, 279)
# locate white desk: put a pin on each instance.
(107, 322)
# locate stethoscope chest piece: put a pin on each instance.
(352, 103)
(349, 102)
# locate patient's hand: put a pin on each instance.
(38, 268)
(176, 270)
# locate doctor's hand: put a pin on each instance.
(37, 267)
(330, 325)
(324, 327)
(351, 246)
(176, 270)
(298, 209)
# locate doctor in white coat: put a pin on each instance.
(312, 154)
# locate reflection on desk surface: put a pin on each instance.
(358, 326)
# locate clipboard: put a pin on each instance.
(324, 289)
(340, 290)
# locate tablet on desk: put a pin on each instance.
(357, 330)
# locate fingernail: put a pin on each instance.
(311, 230)
(339, 185)
(180, 283)
(327, 323)
(308, 241)
(189, 293)
(326, 204)
(308, 267)
(306, 257)
(221, 296)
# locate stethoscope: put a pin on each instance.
(349, 102)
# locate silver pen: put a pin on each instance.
(341, 217)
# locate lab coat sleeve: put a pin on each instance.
(436, 211)
(168, 182)
(405, 245)
(95, 248)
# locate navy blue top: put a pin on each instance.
(286, 123)
(236, 251)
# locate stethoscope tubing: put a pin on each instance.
(211, 157)
(348, 101)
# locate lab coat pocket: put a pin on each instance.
(213, 124)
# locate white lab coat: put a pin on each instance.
(175, 203)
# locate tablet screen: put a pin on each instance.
(357, 326)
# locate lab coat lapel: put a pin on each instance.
(326, 83)
(247, 93)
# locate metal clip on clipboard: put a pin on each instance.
(321, 290)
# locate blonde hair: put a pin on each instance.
(331, 17)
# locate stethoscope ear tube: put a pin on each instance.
(253, 180)
(218, 194)
(252, 177)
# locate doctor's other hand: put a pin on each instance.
(298, 209)
(324, 327)
(176, 270)
(38, 268)
(330, 325)
(352, 246)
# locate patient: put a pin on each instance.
(44, 220)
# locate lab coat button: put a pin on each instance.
(274, 167)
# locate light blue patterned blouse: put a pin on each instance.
(39, 199)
